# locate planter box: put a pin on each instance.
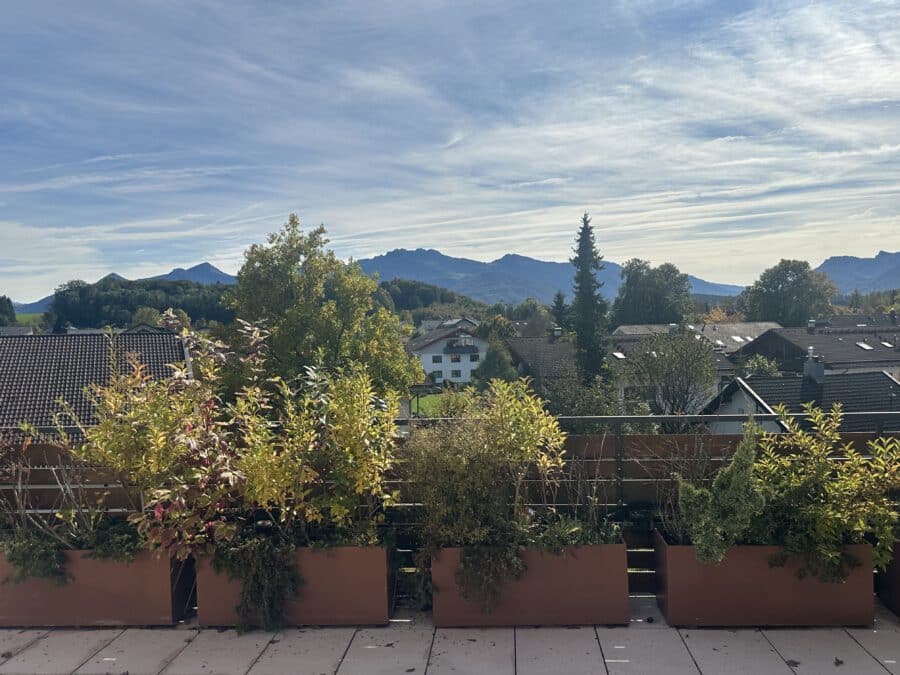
(149, 591)
(342, 586)
(584, 585)
(744, 590)
(889, 590)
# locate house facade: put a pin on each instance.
(449, 353)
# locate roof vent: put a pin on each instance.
(811, 326)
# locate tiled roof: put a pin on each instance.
(543, 357)
(628, 345)
(857, 392)
(37, 371)
(419, 343)
(839, 347)
(728, 337)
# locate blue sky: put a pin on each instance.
(138, 136)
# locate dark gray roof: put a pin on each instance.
(543, 357)
(629, 344)
(728, 337)
(841, 347)
(419, 343)
(856, 392)
(37, 371)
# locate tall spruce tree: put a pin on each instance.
(588, 306)
(560, 310)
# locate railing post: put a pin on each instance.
(620, 473)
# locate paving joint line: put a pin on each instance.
(875, 658)
(430, 649)
(780, 655)
(262, 651)
(602, 654)
(346, 650)
(688, 649)
(97, 651)
(25, 646)
(187, 643)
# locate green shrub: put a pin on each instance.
(488, 481)
(804, 491)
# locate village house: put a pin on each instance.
(450, 351)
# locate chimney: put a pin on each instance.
(893, 316)
(811, 326)
(673, 329)
(814, 367)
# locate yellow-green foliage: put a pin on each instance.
(806, 491)
(816, 505)
(470, 475)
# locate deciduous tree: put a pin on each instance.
(652, 294)
(790, 293)
(320, 310)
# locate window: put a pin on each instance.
(437, 358)
(887, 344)
(737, 338)
(619, 355)
(865, 346)
(454, 358)
(437, 375)
(474, 358)
(455, 373)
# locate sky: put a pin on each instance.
(720, 136)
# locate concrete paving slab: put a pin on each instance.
(14, 640)
(304, 651)
(822, 650)
(401, 647)
(733, 652)
(628, 651)
(562, 651)
(220, 653)
(59, 652)
(473, 651)
(138, 651)
(882, 642)
(645, 612)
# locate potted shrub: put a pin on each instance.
(781, 534)
(78, 563)
(500, 550)
(276, 490)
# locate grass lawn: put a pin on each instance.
(429, 405)
(29, 319)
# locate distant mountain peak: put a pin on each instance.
(850, 273)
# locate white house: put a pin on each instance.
(450, 352)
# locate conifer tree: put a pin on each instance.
(588, 306)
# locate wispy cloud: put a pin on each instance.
(720, 136)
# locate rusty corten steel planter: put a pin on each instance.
(143, 592)
(582, 585)
(889, 588)
(745, 590)
(342, 586)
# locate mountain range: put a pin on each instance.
(204, 273)
(513, 278)
(881, 273)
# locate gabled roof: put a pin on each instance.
(727, 337)
(543, 357)
(419, 343)
(856, 392)
(627, 345)
(842, 347)
(37, 371)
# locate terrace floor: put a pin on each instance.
(410, 644)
